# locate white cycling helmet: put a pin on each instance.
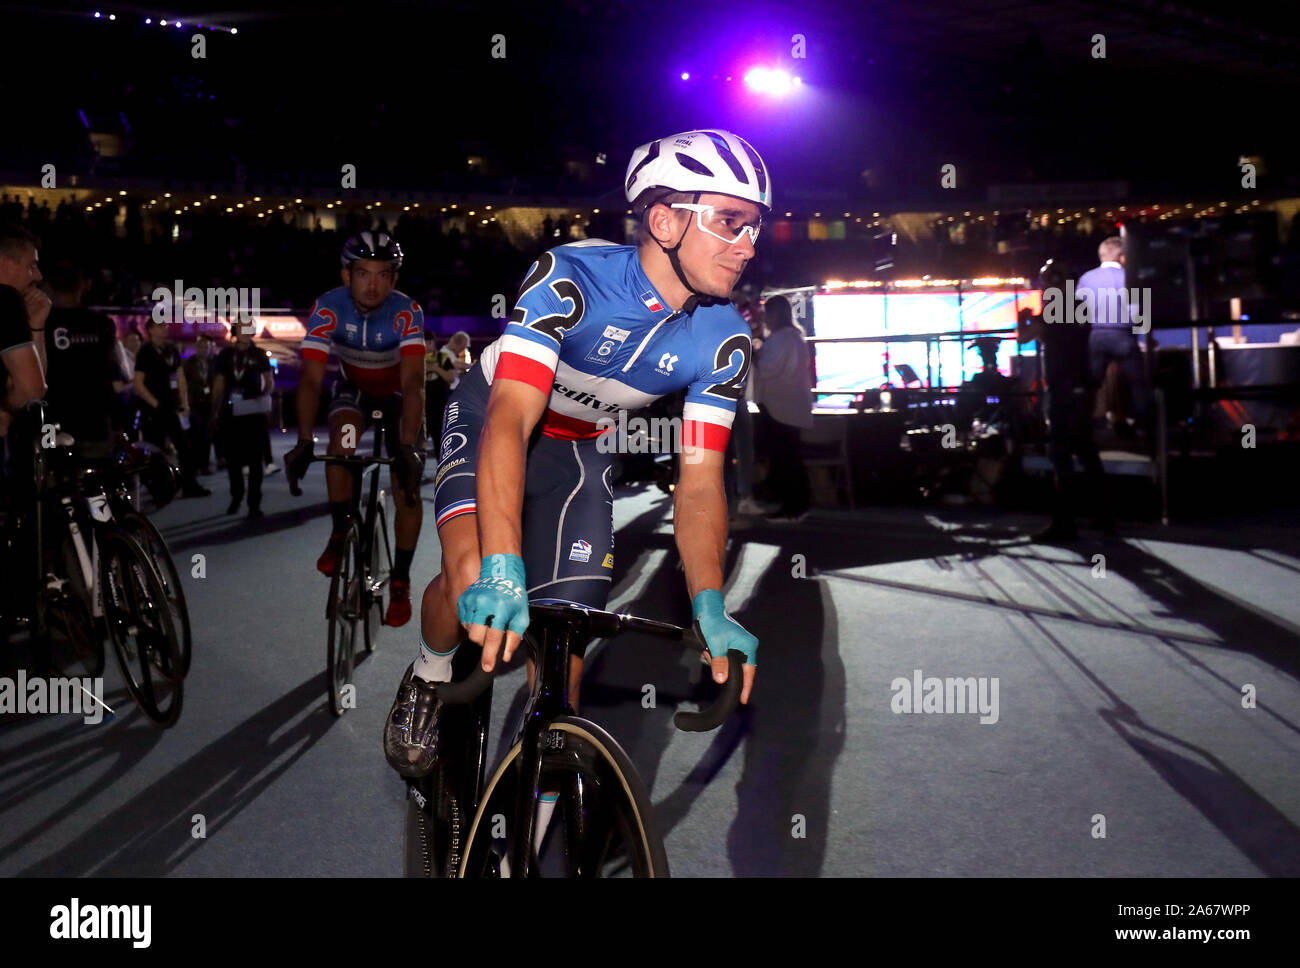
(713, 161)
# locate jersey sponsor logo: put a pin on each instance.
(453, 412)
(666, 363)
(63, 339)
(442, 471)
(651, 303)
(580, 551)
(608, 562)
(589, 399)
(610, 342)
(453, 442)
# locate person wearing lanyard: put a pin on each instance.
(161, 388)
(241, 400)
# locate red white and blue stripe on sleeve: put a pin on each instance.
(711, 401)
(321, 323)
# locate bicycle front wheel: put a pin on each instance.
(603, 824)
(344, 610)
(143, 530)
(140, 626)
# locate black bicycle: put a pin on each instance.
(459, 826)
(365, 563)
(98, 574)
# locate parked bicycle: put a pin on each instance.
(99, 569)
(365, 562)
(460, 826)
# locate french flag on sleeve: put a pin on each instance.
(651, 303)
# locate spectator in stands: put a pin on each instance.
(784, 398)
(160, 387)
(1111, 315)
(198, 384)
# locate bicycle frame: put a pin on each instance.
(359, 474)
(550, 699)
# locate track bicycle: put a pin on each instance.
(365, 562)
(464, 822)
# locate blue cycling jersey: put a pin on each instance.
(369, 346)
(591, 332)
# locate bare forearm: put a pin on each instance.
(308, 400)
(700, 527)
(501, 458)
(412, 408)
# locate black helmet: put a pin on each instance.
(372, 245)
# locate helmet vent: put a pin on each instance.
(725, 153)
(759, 172)
(651, 155)
(690, 164)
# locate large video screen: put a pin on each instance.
(862, 366)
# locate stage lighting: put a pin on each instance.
(765, 81)
(686, 75)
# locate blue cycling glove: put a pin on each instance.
(722, 632)
(499, 599)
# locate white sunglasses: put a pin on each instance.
(717, 224)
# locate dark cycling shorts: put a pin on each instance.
(568, 512)
(349, 397)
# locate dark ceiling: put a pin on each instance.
(1006, 91)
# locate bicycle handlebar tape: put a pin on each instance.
(728, 699)
(468, 689)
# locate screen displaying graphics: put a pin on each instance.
(848, 366)
(861, 366)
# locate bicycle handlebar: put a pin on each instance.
(600, 624)
(355, 460)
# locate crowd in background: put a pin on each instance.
(447, 270)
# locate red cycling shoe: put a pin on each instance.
(328, 562)
(399, 603)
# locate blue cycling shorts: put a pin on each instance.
(568, 510)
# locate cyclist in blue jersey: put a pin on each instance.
(522, 492)
(377, 333)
